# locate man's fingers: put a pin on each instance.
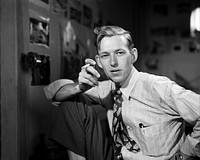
(87, 78)
(91, 70)
(89, 75)
(90, 61)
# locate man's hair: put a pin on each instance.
(109, 31)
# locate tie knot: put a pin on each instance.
(118, 92)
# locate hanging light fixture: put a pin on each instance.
(195, 21)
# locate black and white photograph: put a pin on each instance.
(39, 29)
(100, 79)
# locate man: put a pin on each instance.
(153, 108)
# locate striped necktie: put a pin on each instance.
(120, 133)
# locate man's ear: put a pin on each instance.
(134, 54)
(98, 61)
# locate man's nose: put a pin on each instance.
(113, 60)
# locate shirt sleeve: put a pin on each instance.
(51, 90)
(186, 104)
(101, 94)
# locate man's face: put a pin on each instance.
(115, 58)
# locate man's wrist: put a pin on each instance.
(82, 88)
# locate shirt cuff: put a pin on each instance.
(53, 87)
(191, 147)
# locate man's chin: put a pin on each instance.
(117, 80)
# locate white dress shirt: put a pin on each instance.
(154, 110)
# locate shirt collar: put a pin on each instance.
(128, 85)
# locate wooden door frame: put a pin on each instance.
(14, 94)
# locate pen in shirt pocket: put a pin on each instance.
(141, 125)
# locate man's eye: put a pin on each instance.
(120, 52)
(104, 56)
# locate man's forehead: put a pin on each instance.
(113, 41)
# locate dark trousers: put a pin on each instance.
(79, 129)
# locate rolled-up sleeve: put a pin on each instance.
(51, 90)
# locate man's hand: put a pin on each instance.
(88, 77)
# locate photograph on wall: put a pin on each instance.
(38, 29)
(41, 3)
(87, 16)
(75, 11)
(60, 7)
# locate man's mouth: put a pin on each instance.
(115, 71)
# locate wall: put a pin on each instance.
(118, 13)
(168, 48)
(167, 27)
(181, 68)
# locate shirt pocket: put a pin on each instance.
(151, 140)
